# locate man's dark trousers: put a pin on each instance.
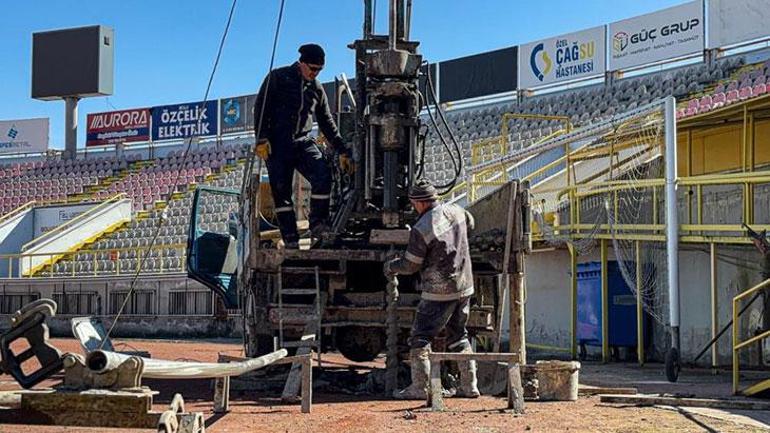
(304, 156)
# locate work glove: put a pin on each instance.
(347, 165)
(263, 149)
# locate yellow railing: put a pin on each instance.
(691, 228)
(119, 254)
(497, 147)
(737, 343)
(17, 211)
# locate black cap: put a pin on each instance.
(423, 190)
(312, 53)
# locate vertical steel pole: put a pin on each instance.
(71, 126)
(605, 303)
(639, 306)
(573, 299)
(393, 31)
(714, 305)
(367, 18)
(672, 220)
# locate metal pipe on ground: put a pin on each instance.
(101, 361)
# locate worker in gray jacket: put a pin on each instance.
(438, 248)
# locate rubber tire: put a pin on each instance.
(359, 344)
(673, 365)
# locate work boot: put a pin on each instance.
(468, 382)
(290, 245)
(418, 389)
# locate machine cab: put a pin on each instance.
(212, 243)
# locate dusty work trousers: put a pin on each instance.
(433, 316)
(304, 156)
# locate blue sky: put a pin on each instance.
(165, 48)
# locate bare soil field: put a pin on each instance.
(342, 413)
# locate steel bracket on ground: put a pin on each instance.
(29, 324)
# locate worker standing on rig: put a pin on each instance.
(291, 96)
(438, 248)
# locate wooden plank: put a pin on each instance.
(586, 390)
(652, 400)
(515, 390)
(222, 394)
(307, 384)
(148, 420)
(436, 399)
(294, 381)
(483, 357)
(87, 401)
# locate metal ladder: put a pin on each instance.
(312, 332)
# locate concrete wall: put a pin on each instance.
(94, 297)
(13, 234)
(548, 305)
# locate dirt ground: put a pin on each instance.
(340, 413)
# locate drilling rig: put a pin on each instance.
(334, 296)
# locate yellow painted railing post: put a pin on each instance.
(639, 306)
(605, 304)
(714, 304)
(573, 299)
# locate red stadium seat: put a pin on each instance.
(745, 93)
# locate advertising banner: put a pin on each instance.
(735, 21)
(563, 58)
(661, 35)
(479, 75)
(194, 119)
(23, 136)
(236, 114)
(118, 127)
(48, 218)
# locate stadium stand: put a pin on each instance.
(148, 182)
(592, 104)
(53, 180)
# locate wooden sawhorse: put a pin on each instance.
(515, 389)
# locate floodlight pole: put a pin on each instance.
(672, 222)
(71, 126)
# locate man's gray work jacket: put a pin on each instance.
(291, 103)
(438, 248)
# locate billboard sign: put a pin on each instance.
(236, 114)
(118, 127)
(563, 58)
(23, 136)
(194, 119)
(661, 35)
(735, 21)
